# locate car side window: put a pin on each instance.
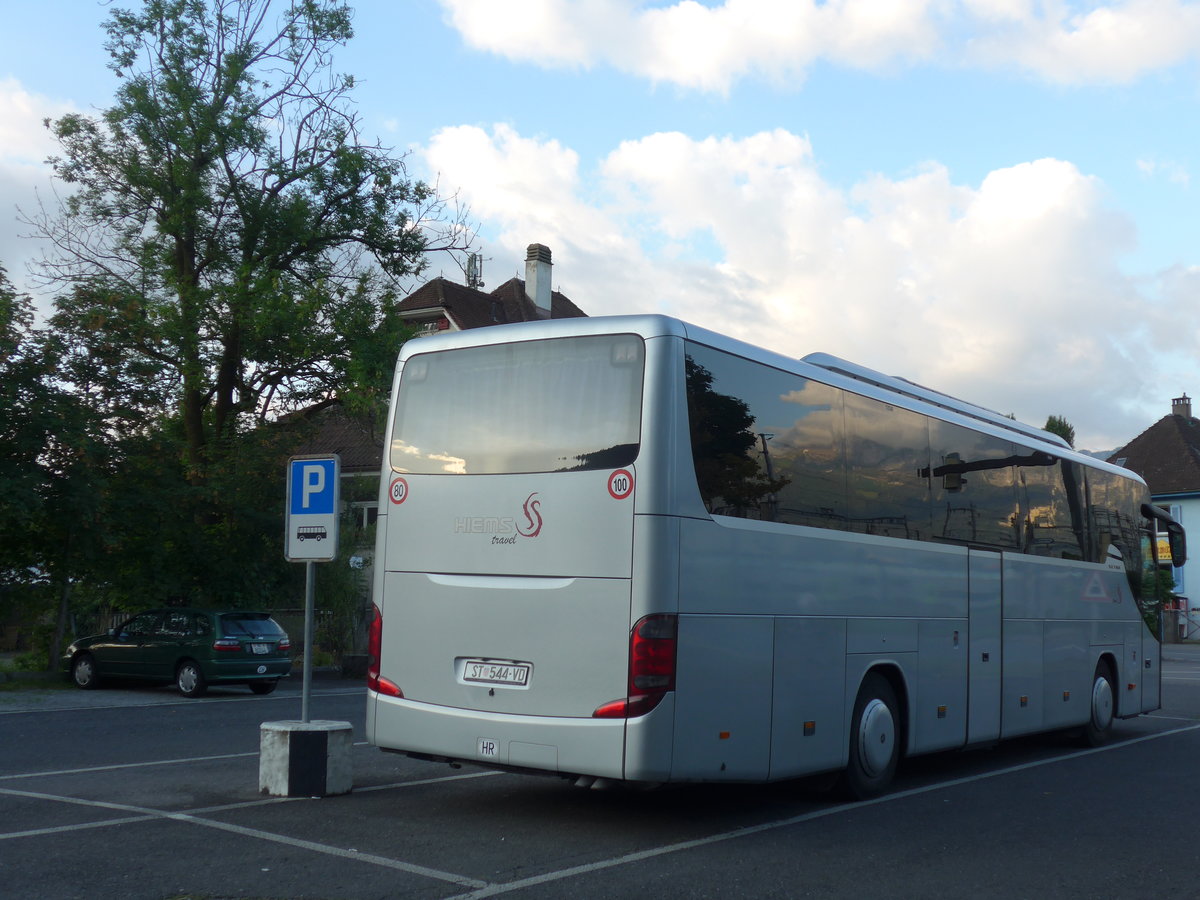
(140, 626)
(201, 627)
(175, 625)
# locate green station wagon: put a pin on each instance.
(191, 647)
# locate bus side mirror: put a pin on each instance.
(1176, 539)
(1178, 542)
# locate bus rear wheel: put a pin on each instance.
(874, 739)
(1099, 725)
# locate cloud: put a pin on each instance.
(25, 144)
(1107, 44)
(1005, 293)
(709, 47)
(1174, 172)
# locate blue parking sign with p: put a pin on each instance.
(313, 486)
(311, 519)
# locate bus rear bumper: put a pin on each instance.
(565, 746)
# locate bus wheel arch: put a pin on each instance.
(1102, 703)
(877, 734)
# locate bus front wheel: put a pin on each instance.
(1099, 725)
(874, 739)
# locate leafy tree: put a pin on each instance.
(226, 224)
(20, 395)
(226, 249)
(53, 461)
(1060, 426)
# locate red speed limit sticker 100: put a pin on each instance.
(620, 484)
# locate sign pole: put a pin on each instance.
(309, 594)
(311, 536)
(307, 758)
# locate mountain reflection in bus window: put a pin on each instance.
(974, 494)
(1049, 490)
(886, 450)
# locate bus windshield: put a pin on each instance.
(566, 404)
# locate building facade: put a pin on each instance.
(1167, 456)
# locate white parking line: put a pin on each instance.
(135, 765)
(331, 692)
(138, 765)
(493, 890)
(482, 888)
(144, 814)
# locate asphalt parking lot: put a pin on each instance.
(139, 793)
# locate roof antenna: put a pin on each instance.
(475, 271)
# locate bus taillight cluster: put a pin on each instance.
(375, 681)
(651, 668)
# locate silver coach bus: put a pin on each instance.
(631, 549)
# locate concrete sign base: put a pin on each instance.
(305, 759)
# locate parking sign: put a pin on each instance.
(311, 522)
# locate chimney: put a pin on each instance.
(1180, 406)
(537, 278)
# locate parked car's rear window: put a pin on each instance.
(249, 625)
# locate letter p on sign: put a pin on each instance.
(312, 482)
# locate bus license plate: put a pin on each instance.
(479, 671)
(260, 649)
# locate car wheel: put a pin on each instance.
(264, 687)
(190, 680)
(83, 672)
(874, 739)
(1099, 725)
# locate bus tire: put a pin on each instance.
(874, 739)
(1103, 706)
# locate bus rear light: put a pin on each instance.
(651, 668)
(375, 681)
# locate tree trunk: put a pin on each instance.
(60, 624)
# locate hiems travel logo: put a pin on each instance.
(533, 517)
(505, 529)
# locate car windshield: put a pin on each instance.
(250, 625)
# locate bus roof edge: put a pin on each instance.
(911, 389)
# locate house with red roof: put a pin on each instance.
(441, 305)
(1167, 456)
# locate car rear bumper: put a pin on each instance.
(247, 669)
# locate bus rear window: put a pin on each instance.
(566, 404)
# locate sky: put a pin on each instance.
(994, 198)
